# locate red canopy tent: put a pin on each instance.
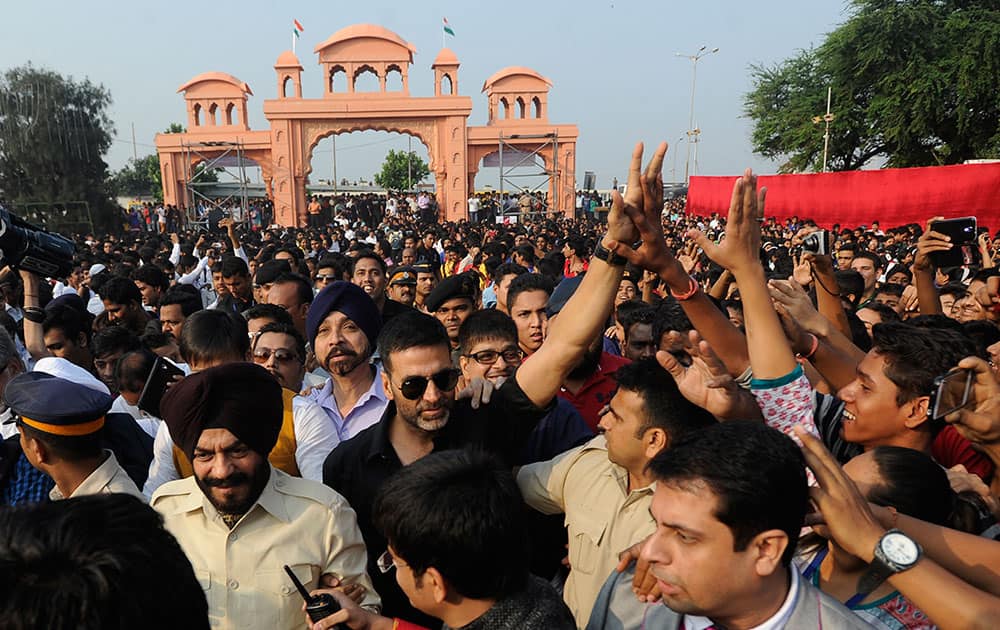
(892, 196)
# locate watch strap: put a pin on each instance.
(878, 572)
(603, 253)
(882, 567)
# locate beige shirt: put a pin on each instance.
(603, 517)
(109, 477)
(297, 522)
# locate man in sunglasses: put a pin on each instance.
(423, 414)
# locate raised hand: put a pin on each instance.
(929, 242)
(796, 303)
(739, 251)
(802, 272)
(979, 422)
(845, 511)
(708, 384)
(641, 208)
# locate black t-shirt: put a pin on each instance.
(358, 467)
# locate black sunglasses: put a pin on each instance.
(413, 387)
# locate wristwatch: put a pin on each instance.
(895, 552)
(603, 253)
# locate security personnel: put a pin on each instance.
(61, 425)
(451, 302)
(427, 279)
(238, 518)
(403, 285)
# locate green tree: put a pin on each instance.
(914, 84)
(143, 177)
(139, 177)
(399, 169)
(54, 132)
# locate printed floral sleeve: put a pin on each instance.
(786, 401)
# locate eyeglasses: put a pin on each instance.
(489, 357)
(326, 278)
(281, 355)
(413, 387)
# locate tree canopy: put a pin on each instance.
(54, 132)
(394, 174)
(914, 84)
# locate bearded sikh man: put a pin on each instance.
(342, 326)
(239, 519)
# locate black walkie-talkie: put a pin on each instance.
(319, 606)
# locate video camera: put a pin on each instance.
(31, 248)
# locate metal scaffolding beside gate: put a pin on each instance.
(224, 157)
(550, 176)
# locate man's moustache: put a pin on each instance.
(236, 479)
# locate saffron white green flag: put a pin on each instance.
(447, 27)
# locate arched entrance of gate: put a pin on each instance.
(297, 124)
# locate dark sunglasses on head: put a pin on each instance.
(489, 357)
(413, 387)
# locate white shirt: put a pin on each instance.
(7, 429)
(95, 306)
(775, 622)
(147, 422)
(473, 205)
(315, 437)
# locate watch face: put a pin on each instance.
(899, 548)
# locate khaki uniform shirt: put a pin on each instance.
(295, 521)
(603, 517)
(109, 477)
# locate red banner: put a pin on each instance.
(894, 196)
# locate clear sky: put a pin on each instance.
(612, 63)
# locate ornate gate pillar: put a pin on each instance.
(172, 177)
(284, 162)
(456, 184)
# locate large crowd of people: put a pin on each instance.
(634, 418)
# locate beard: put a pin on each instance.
(343, 359)
(588, 364)
(246, 489)
(415, 416)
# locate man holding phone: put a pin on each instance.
(238, 518)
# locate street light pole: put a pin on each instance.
(693, 132)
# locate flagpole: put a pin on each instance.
(293, 40)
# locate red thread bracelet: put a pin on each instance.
(693, 287)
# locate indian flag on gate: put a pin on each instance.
(447, 27)
(296, 28)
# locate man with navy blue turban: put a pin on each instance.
(342, 326)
